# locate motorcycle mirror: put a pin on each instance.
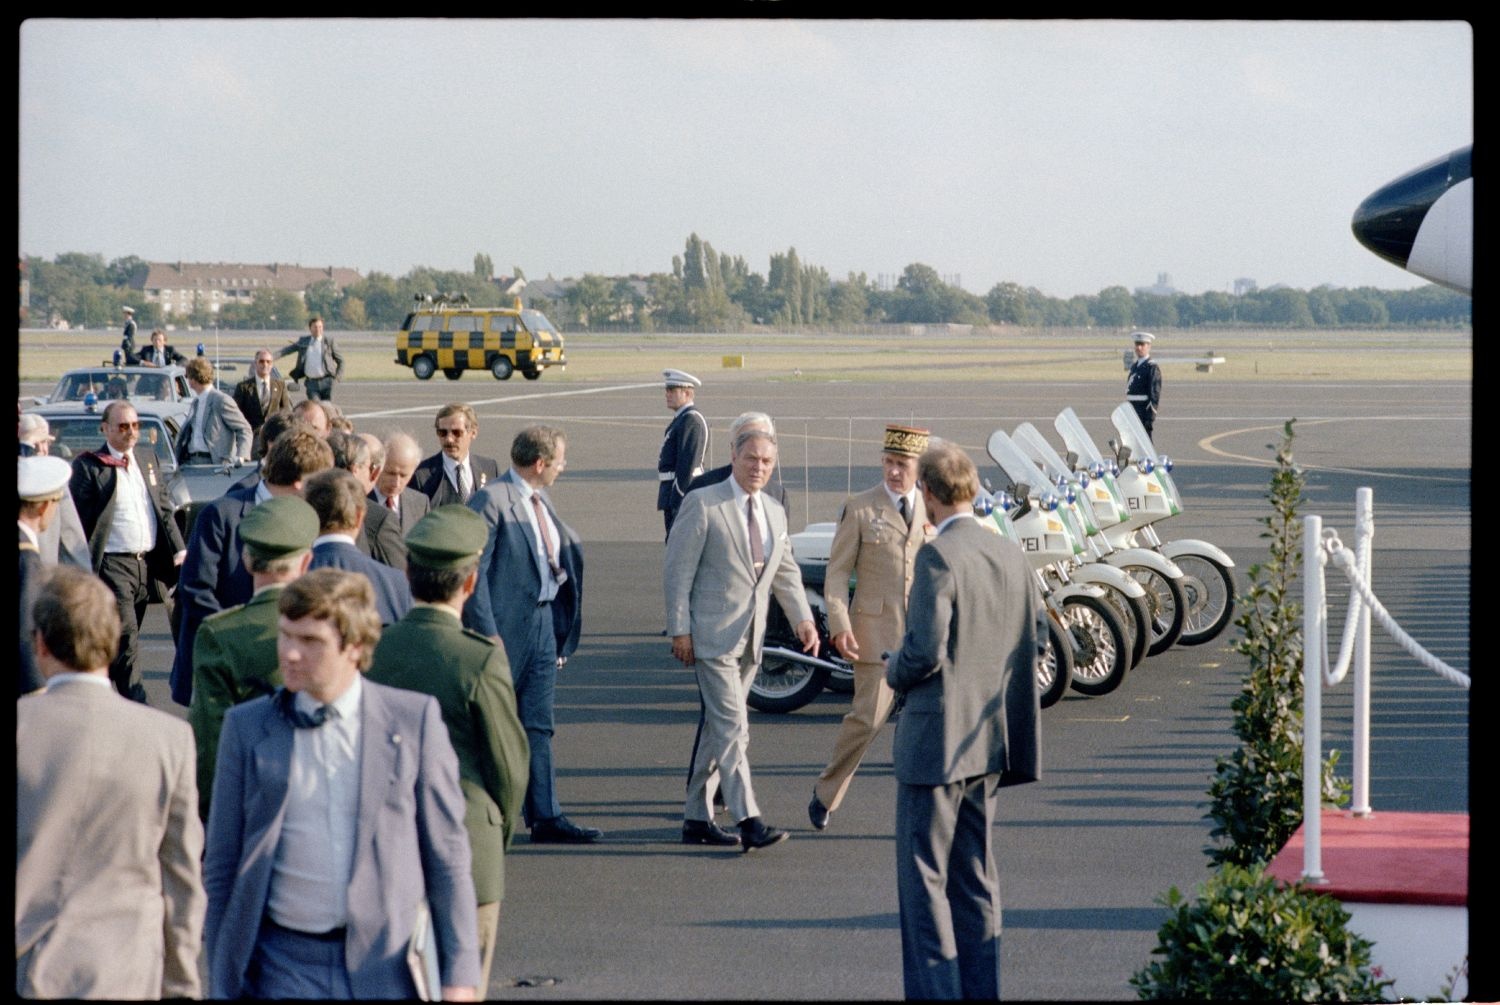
(1072, 459)
(987, 486)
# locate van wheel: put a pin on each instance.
(531, 374)
(502, 368)
(453, 373)
(424, 366)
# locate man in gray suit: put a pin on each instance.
(109, 899)
(727, 553)
(398, 463)
(215, 431)
(974, 628)
(336, 812)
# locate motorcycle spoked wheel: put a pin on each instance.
(784, 685)
(1210, 596)
(1135, 616)
(1167, 603)
(1100, 654)
(1054, 668)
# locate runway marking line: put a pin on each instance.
(1207, 445)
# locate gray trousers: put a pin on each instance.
(949, 889)
(287, 965)
(721, 757)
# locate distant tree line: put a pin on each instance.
(710, 290)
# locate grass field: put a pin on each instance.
(997, 355)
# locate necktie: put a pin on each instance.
(265, 395)
(286, 705)
(905, 512)
(390, 503)
(757, 546)
(541, 532)
(125, 461)
(465, 487)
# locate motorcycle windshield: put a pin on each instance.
(1019, 468)
(1035, 446)
(1132, 433)
(1077, 438)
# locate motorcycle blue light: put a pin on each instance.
(1048, 501)
(1083, 479)
(1114, 468)
(984, 505)
(1004, 501)
(1070, 495)
(1097, 469)
(1166, 462)
(1146, 465)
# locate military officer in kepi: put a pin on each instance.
(1143, 386)
(683, 447)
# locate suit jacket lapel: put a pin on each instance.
(776, 523)
(735, 523)
(273, 764)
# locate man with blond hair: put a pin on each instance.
(215, 431)
(454, 474)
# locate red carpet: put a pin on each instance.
(1387, 858)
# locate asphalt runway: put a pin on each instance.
(1085, 853)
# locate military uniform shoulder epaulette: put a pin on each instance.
(28, 546)
(219, 614)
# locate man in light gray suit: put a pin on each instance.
(215, 431)
(109, 899)
(974, 625)
(727, 553)
(336, 812)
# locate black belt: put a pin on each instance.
(332, 935)
(137, 555)
(201, 453)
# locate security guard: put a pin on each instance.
(41, 485)
(127, 343)
(1143, 387)
(683, 447)
(234, 652)
(430, 651)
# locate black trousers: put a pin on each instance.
(319, 388)
(128, 580)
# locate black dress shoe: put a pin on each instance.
(707, 832)
(561, 830)
(755, 834)
(817, 813)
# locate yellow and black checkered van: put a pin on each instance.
(502, 340)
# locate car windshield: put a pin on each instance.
(80, 434)
(106, 385)
(537, 322)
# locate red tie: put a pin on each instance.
(390, 503)
(757, 543)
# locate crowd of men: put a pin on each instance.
(368, 645)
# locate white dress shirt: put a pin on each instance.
(315, 854)
(764, 525)
(550, 583)
(134, 526)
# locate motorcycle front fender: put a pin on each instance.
(1192, 546)
(1107, 575)
(801, 657)
(1155, 561)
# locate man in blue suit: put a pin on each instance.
(213, 576)
(339, 499)
(530, 598)
(336, 812)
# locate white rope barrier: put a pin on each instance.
(1321, 548)
(1345, 560)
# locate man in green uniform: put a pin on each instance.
(430, 651)
(234, 657)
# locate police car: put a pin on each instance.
(449, 335)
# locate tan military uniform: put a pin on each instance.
(873, 543)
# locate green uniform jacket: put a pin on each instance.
(430, 651)
(234, 660)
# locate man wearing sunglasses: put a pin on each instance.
(134, 543)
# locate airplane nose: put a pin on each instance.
(1388, 221)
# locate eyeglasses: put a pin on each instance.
(443, 434)
(126, 427)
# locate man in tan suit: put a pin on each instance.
(109, 896)
(878, 536)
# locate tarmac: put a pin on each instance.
(1086, 853)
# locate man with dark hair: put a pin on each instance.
(214, 577)
(160, 354)
(530, 598)
(453, 474)
(974, 629)
(728, 551)
(319, 363)
(430, 651)
(126, 514)
(234, 654)
(340, 501)
(214, 432)
(109, 897)
(261, 394)
(315, 890)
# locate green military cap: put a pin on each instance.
(449, 537)
(279, 527)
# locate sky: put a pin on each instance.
(1065, 155)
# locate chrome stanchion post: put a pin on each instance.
(1364, 533)
(1312, 699)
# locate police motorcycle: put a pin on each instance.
(1078, 590)
(1159, 614)
(1143, 481)
(789, 678)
